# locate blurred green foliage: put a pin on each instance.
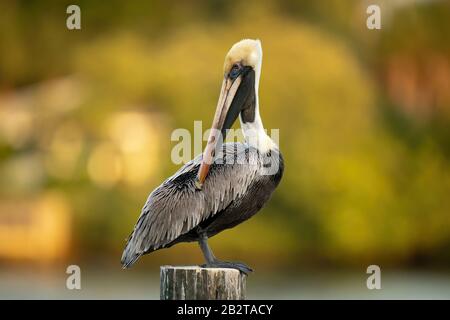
(363, 117)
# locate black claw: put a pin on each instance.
(230, 265)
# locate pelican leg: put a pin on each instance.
(207, 252)
(213, 262)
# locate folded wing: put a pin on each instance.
(176, 206)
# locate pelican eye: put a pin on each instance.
(235, 71)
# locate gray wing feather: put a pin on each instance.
(176, 207)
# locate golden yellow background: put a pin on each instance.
(86, 117)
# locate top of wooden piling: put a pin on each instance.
(197, 283)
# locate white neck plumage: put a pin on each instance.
(254, 132)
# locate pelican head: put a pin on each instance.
(238, 96)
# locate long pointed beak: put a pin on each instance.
(218, 130)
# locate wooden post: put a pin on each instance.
(196, 283)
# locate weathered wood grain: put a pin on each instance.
(196, 283)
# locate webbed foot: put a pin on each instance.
(230, 265)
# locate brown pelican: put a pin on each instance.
(216, 190)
